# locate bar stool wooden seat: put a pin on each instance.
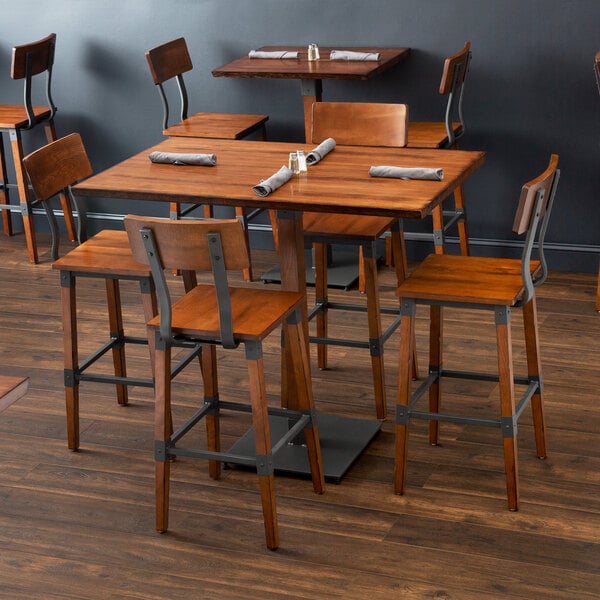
(359, 124)
(28, 61)
(170, 61)
(107, 255)
(217, 315)
(445, 134)
(498, 285)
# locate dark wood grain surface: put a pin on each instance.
(80, 525)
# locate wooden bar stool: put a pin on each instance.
(107, 256)
(170, 61)
(28, 61)
(495, 284)
(445, 134)
(358, 124)
(217, 315)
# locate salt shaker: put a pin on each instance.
(293, 162)
(301, 161)
(313, 52)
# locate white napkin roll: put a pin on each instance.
(264, 188)
(176, 158)
(407, 172)
(352, 55)
(273, 54)
(317, 154)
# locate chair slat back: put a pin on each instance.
(57, 165)
(360, 123)
(455, 70)
(169, 60)
(543, 182)
(41, 53)
(183, 244)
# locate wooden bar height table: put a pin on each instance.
(338, 183)
(312, 73)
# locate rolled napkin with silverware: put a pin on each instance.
(318, 153)
(273, 54)
(178, 158)
(407, 172)
(264, 188)
(353, 55)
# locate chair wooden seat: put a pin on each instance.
(220, 315)
(197, 313)
(473, 279)
(28, 62)
(425, 134)
(217, 125)
(483, 283)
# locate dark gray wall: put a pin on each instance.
(531, 89)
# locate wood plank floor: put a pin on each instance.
(80, 525)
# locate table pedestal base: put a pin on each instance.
(342, 440)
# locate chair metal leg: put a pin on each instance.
(407, 326)
(534, 370)
(262, 440)
(507, 404)
(115, 322)
(436, 340)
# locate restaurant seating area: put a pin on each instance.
(177, 422)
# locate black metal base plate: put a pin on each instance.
(342, 440)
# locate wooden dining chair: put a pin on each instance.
(53, 169)
(358, 124)
(597, 72)
(28, 62)
(170, 61)
(445, 134)
(498, 285)
(219, 315)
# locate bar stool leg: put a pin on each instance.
(239, 213)
(262, 440)
(321, 295)
(115, 321)
(534, 369)
(407, 325)
(162, 432)
(71, 358)
(436, 340)
(375, 331)
(300, 355)
(507, 404)
(463, 234)
(4, 196)
(23, 187)
(208, 365)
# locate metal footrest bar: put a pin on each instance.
(481, 376)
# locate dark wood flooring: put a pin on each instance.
(80, 525)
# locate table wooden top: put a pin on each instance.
(302, 68)
(339, 183)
